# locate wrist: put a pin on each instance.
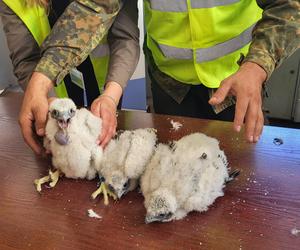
(114, 90)
(110, 98)
(41, 83)
(255, 69)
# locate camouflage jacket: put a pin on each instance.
(75, 34)
(26, 55)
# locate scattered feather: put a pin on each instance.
(93, 214)
(295, 231)
(176, 125)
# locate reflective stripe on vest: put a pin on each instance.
(196, 4)
(166, 5)
(181, 5)
(211, 53)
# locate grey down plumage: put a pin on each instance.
(125, 158)
(186, 176)
(71, 136)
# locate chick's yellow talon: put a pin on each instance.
(39, 182)
(54, 176)
(105, 191)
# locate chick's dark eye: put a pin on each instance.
(126, 184)
(54, 113)
(72, 111)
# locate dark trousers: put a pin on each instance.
(195, 104)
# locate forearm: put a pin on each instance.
(277, 35)
(123, 40)
(77, 32)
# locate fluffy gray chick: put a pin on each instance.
(188, 176)
(71, 136)
(125, 158)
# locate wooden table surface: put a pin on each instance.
(259, 209)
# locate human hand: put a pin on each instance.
(105, 106)
(34, 110)
(246, 85)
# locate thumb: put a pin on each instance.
(51, 99)
(40, 116)
(220, 95)
(95, 108)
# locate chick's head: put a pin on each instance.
(161, 207)
(118, 183)
(62, 110)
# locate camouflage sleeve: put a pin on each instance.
(277, 35)
(75, 34)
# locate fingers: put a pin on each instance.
(95, 108)
(107, 111)
(220, 95)
(109, 122)
(40, 115)
(35, 109)
(28, 135)
(251, 120)
(246, 85)
(259, 126)
(240, 112)
(105, 128)
(111, 132)
(254, 120)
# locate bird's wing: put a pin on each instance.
(141, 149)
(114, 154)
(47, 144)
(89, 122)
(158, 170)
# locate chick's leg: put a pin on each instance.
(105, 191)
(39, 182)
(52, 177)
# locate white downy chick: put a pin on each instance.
(125, 158)
(71, 136)
(186, 176)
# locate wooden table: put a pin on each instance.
(258, 211)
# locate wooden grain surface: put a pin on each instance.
(258, 211)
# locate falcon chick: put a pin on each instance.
(125, 158)
(183, 177)
(71, 136)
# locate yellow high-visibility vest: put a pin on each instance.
(199, 41)
(36, 20)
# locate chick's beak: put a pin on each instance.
(150, 219)
(64, 121)
(158, 218)
(120, 194)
